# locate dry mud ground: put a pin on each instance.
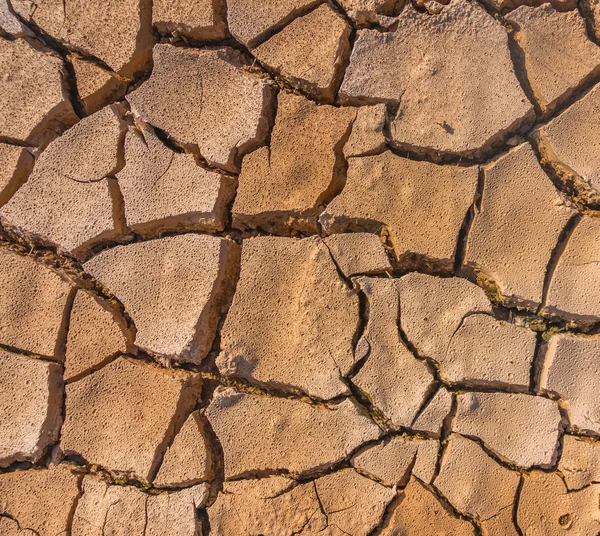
(299, 267)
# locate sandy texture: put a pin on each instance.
(41, 500)
(224, 110)
(306, 341)
(299, 267)
(32, 304)
(391, 373)
(299, 170)
(174, 306)
(438, 96)
(93, 337)
(512, 210)
(559, 57)
(299, 437)
(164, 190)
(32, 86)
(310, 52)
(115, 31)
(111, 422)
(67, 200)
(197, 19)
(423, 204)
(30, 408)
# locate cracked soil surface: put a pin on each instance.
(299, 267)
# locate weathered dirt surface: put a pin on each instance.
(299, 267)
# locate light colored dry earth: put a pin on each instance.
(299, 267)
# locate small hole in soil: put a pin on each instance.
(564, 520)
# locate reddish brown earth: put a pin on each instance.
(299, 267)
